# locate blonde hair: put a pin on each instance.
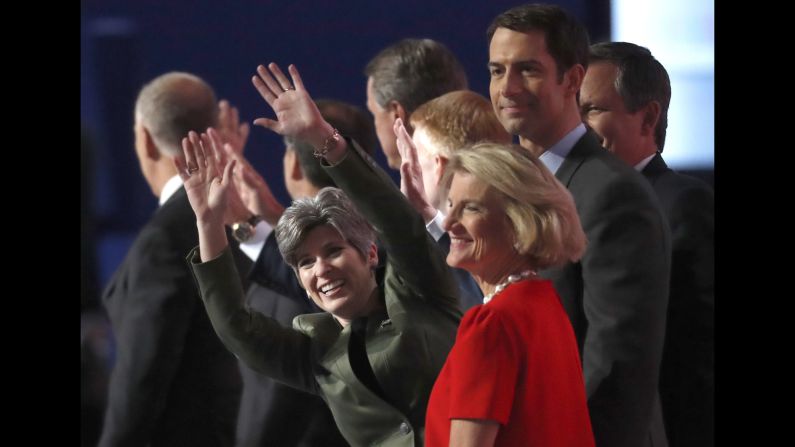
(544, 218)
(459, 119)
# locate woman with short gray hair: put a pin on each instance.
(329, 207)
(376, 353)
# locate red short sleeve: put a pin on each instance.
(485, 369)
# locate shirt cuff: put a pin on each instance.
(253, 246)
(434, 227)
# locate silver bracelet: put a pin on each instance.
(327, 145)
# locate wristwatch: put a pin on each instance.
(243, 231)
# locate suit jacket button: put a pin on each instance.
(404, 428)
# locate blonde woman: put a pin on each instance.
(513, 377)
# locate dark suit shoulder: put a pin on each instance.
(589, 169)
(602, 169)
(156, 257)
(604, 182)
(176, 220)
(674, 184)
(682, 196)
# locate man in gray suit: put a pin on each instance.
(624, 99)
(617, 295)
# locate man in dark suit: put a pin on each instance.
(173, 382)
(401, 78)
(624, 99)
(617, 295)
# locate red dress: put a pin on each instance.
(515, 361)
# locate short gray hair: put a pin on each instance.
(414, 71)
(329, 207)
(173, 104)
(546, 225)
(641, 79)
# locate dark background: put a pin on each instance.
(124, 44)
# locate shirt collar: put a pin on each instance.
(645, 162)
(554, 156)
(171, 186)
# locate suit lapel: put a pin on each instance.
(655, 168)
(334, 342)
(578, 154)
(378, 324)
(337, 359)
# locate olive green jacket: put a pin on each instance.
(407, 342)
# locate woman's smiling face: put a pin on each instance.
(481, 237)
(337, 277)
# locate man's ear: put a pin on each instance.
(152, 152)
(372, 256)
(651, 116)
(397, 110)
(439, 163)
(573, 77)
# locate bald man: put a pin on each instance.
(173, 382)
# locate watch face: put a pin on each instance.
(242, 231)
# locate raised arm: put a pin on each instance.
(233, 132)
(296, 113)
(411, 181)
(412, 252)
(281, 353)
(207, 192)
(254, 191)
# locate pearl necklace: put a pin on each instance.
(511, 279)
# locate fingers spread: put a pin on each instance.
(190, 149)
(263, 89)
(284, 83)
(267, 123)
(228, 172)
(209, 157)
(179, 163)
(243, 130)
(267, 78)
(297, 81)
(235, 117)
(215, 140)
